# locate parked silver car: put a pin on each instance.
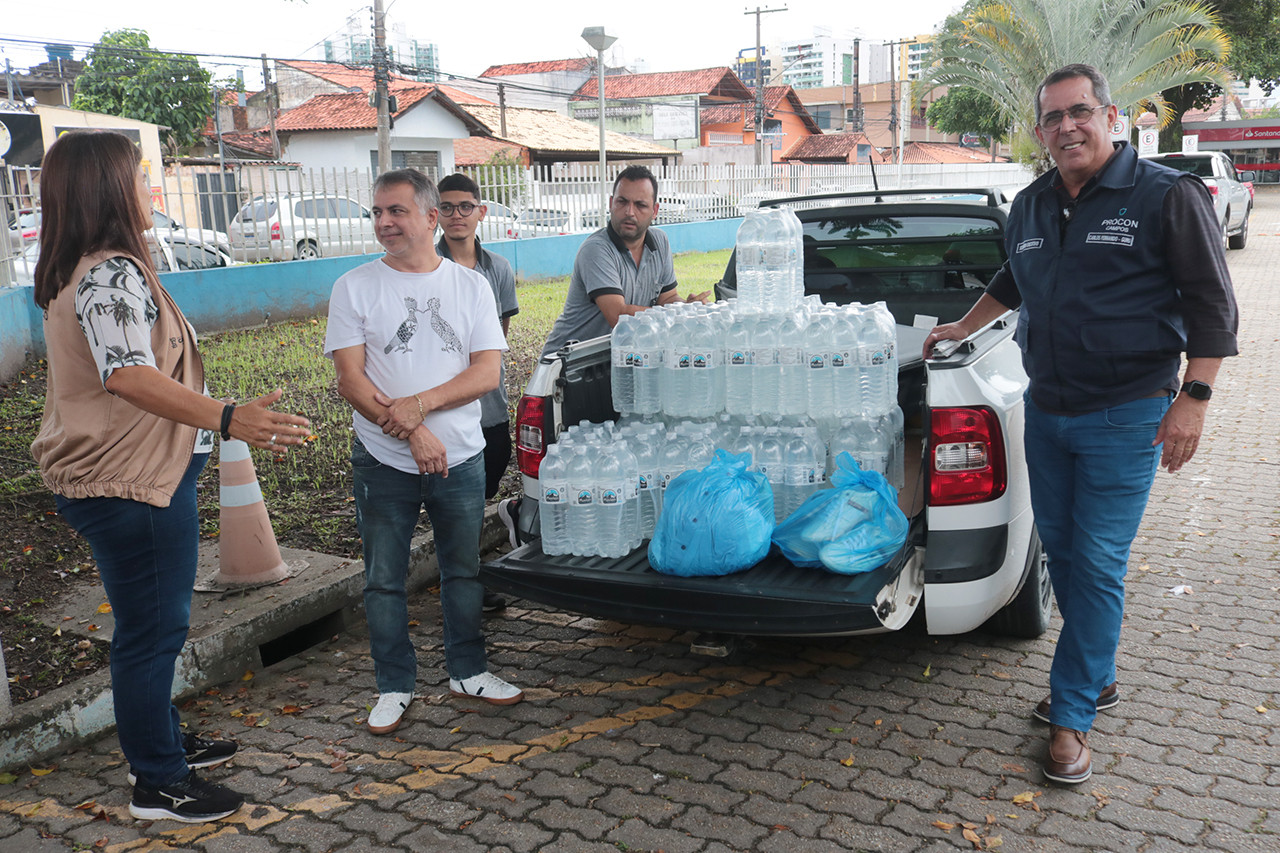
(169, 253)
(282, 228)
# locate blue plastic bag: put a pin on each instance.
(716, 521)
(853, 527)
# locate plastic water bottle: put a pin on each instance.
(873, 365)
(846, 386)
(704, 386)
(793, 398)
(767, 373)
(644, 447)
(771, 462)
(864, 440)
(622, 355)
(617, 511)
(806, 469)
(581, 516)
(739, 362)
(554, 500)
(749, 258)
(672, 461)
(676, 363)
(646, 363)
(888, 329)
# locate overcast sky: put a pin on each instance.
(668, 35)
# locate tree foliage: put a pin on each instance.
(124, 76)
(1254, 28)
(964, 109)
(1142, 47)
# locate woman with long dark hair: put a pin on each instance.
(128, 426)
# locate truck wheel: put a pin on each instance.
(1237, 240)
(1027, 616)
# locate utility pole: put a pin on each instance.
(894, 120)
(273, 105)
(760, 81)
(381, 79)
(502, 110)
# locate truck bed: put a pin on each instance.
(774, 597)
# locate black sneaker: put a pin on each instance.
(493, 602)
(192, 800)
(201, 752)
(507, 514)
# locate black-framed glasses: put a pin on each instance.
(466, 208)
(1080, 114)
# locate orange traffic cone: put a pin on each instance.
(247, 550)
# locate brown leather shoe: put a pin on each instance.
(1108, 698)
(1069, 761)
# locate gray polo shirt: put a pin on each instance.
(497, 271)
(604, 265)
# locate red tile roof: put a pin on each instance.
(716, 82)
(478, 150)
(831, 147)
(254, 142)
(349, 77)
(581, 63)
(774, 97)
(351, 111)
(946, 152)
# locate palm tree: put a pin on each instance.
(1142, 47)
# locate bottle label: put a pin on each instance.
(677, 359)
(584, 497)
(647, 482)
(703, 360)
(840, 358)
(817, 360)
(801, 475)
(741, 358)
(641, 359)
(613, 495)
(552, 493)
(622, 358)
(789, 356)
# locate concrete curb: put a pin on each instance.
(230, 633)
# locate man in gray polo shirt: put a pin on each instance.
(623, 268)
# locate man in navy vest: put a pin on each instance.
(1116, 267)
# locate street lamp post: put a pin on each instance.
(600, 42)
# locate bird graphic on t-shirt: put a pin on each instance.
(452, 343)
(407, 329)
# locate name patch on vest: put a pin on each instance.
(1028, 245)
(1109, 238)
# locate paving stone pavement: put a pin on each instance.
(903, 743)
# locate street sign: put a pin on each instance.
(1148, 141)
(1190, 143)
(1120, 128)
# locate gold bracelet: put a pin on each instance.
(421, 414)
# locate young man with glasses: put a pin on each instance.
(1116, 267)
(461, 213)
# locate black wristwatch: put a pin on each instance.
(1197, 390)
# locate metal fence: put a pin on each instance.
(208, 216)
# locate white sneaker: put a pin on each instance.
(386, 715)
(508, 518)
(488, 687)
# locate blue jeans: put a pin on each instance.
(1090, 478)
(146, 557)
(387, 505)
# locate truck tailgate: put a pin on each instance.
(774, 597)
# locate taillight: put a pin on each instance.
(1213, 189)
(531, 418)
(967, 456)
(275, 231)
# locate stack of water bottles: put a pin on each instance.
(773, 373)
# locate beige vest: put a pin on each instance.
(91, 442)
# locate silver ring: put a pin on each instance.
(273, 439)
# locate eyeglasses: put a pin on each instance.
(1080, 114)
(466, 208)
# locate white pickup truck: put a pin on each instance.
(972, 556)
(1231, 198)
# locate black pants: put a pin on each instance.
(497, 456)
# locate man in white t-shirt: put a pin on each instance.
(416, 343)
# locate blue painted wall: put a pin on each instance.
(256, 294)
